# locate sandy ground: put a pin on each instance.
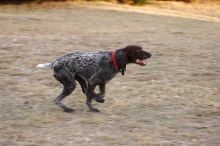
(174, 101)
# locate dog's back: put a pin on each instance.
(83, 63)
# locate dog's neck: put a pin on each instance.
(119, 59)
(115, 63)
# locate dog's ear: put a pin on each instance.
(131, 52)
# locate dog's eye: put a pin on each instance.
(138, 51)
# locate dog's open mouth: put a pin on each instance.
(141, 61)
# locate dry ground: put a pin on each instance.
(174, 101)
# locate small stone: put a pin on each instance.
(199, 115)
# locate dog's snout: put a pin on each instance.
(147, 55)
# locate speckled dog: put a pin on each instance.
(91, 69)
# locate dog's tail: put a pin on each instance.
(45, 65)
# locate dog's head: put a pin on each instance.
(135, 54)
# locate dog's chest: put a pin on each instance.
(107, 73)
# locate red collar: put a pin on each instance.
(114, 60)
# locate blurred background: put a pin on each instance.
(118, 1)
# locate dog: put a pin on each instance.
(91, 69)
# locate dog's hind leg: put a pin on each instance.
(68, 87)
(82, 83)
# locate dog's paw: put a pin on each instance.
(100, 95)
(68, 110)
(100, 100)
(94, 110)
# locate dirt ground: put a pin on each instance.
(173, 101)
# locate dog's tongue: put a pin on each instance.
(140, 62)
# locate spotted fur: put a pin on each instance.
(85, 65)
(91, 69)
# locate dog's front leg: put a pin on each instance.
(90, 96)
(99, 97)
(102, 88)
